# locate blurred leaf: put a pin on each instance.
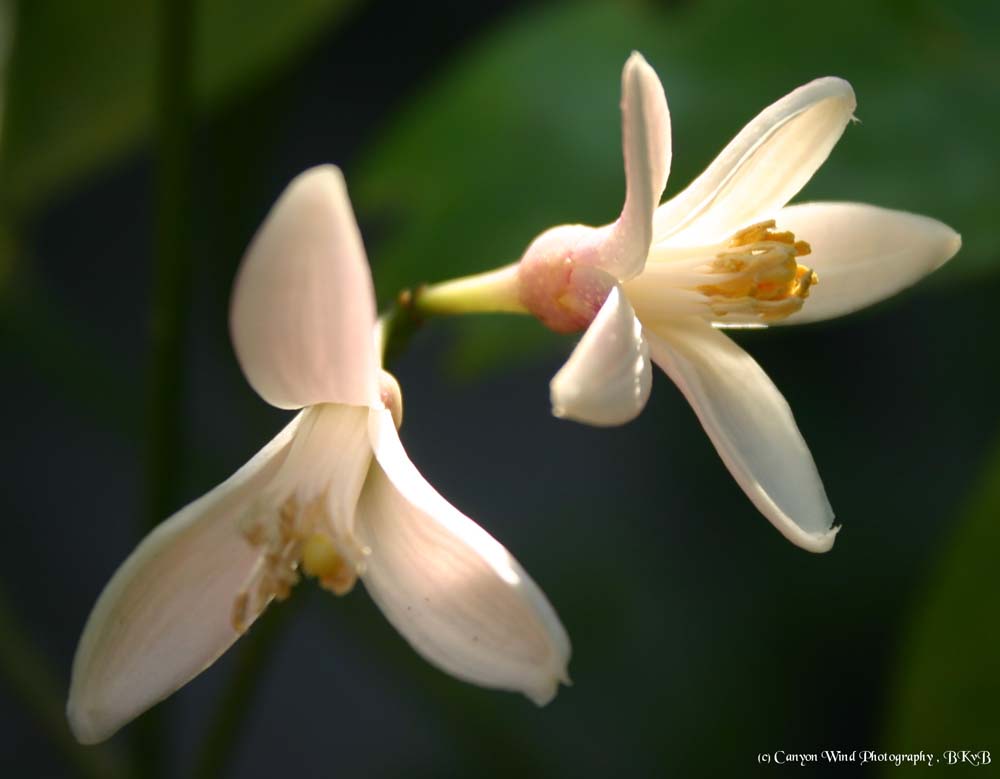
(948, 679)
(522, 131)
(80, 86)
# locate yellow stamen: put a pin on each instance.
(760, 275)
(239, 613)
(321, 560)
(287, 537)
(319, 555)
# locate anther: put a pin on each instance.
(758, 275)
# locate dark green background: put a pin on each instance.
(701, 638)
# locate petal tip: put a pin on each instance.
(86, 723)
(635, 60)
(315, 175)
(817, 543)
(954, 245)
(545, 692)
(842, 89)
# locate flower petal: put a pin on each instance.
(606, 381)
(750, 425)
(449, 587)
(646, 146)
(863, 254)
(329, 456)
(165, 615)
(762, 168)
(303, 306)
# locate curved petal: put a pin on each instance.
(646, 146)
(329, 456)
(863, 254)
(750, 425)
(165, 615)
(449, 587)
(303, 306)
(762, 168)
(606, 380)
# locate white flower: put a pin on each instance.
(333, 494)
(726, 251)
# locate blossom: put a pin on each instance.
(661, 282)
(333, 495)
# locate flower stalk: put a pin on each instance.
(494, 291)
(174, 98)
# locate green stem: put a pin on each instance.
(397, 326)
(171, 283)
(494, 291)
(30, 679)
(172, 264)
(255, 651)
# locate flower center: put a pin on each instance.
(759, 274)
(296, 535)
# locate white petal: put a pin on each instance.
(606, 380)
(762, 168)
(303, 306)
(329, 456)
(750, 425)
(646, 146)
(449, 587)
(863, 254)
(165, 615)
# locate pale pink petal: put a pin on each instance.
(646, 146)
(449, 587)
(606, 380)
(166, 614)
(762, 168)
(303, 306)
(330, 456)
(863, 254)
(750, 425)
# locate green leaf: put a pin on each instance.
(80, 77)
(948, 678)
(521, 132)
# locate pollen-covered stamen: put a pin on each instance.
(321, 560)
(758, 276)
(294, 535)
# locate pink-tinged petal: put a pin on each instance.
(303, 306)
(449, 587)
(606, 380)
(762, 168)
(751, 426)
(330, 456)
(166, 614)
(646, 146)
(863, 254)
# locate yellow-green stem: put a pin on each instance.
(494, 291)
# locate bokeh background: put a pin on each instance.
(701, 638)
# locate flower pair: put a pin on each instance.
(333, 495)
